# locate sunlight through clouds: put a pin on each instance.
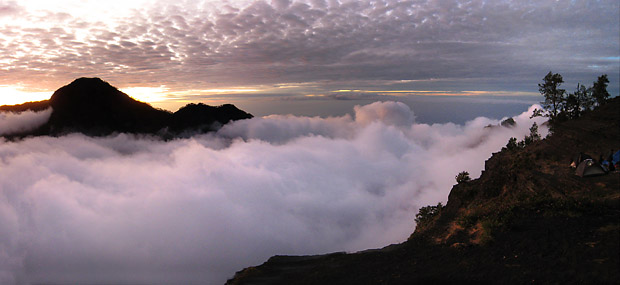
(91, 11)
(316, 45)
(11, 95)
(147, 94)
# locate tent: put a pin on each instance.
(577, 159)
(615, 158)
(589, 167)
(612, 162)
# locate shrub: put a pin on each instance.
(512, 144)
(527, 140)
(462, 177)
(425, 214)
(534, 136)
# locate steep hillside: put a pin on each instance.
(527, 219)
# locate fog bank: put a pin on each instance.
(133, 209)
(11, 122)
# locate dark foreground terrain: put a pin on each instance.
(527, 219)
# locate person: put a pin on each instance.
(610, 158)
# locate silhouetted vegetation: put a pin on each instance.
(533, 136)
(512, 143)
(554, 96)
(599, 89)
(560, 106)
(462, 177)
(427, 213)
(575, 102)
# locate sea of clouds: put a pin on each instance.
(12, 122)
(136, 209)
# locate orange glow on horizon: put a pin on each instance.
(11, 95)
(165, 98)
(147, 94)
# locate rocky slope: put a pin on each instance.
(527, 219)
(94, 107)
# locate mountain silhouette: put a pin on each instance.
(94, 107)
(203, 117)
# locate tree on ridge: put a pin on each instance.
(599, 89)
(554, 96)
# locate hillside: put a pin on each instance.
(94, 107)
(527, 219)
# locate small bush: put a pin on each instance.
(512, 144)
(537, 113)
(462, 177)
(527, 140)
(533, 136)
(427, 213)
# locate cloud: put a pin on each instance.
(389, 113)
(130, 209)
(11, 122)
(9, 8)
(506, 46)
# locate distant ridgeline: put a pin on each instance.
(94, 107)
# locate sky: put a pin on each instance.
(130, 209)
(170, 53)
(365, 112)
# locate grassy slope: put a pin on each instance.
(527, 219)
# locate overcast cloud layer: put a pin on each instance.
(315, 46)
(126, 209)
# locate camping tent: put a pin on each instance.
(589, 167)
(577, 159)
(615, 158)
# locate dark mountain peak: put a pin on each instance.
(90, 82)
(92, 106)
(205, 117)
(193, 108)
(89, 91)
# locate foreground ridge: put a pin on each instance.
(527, 219)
